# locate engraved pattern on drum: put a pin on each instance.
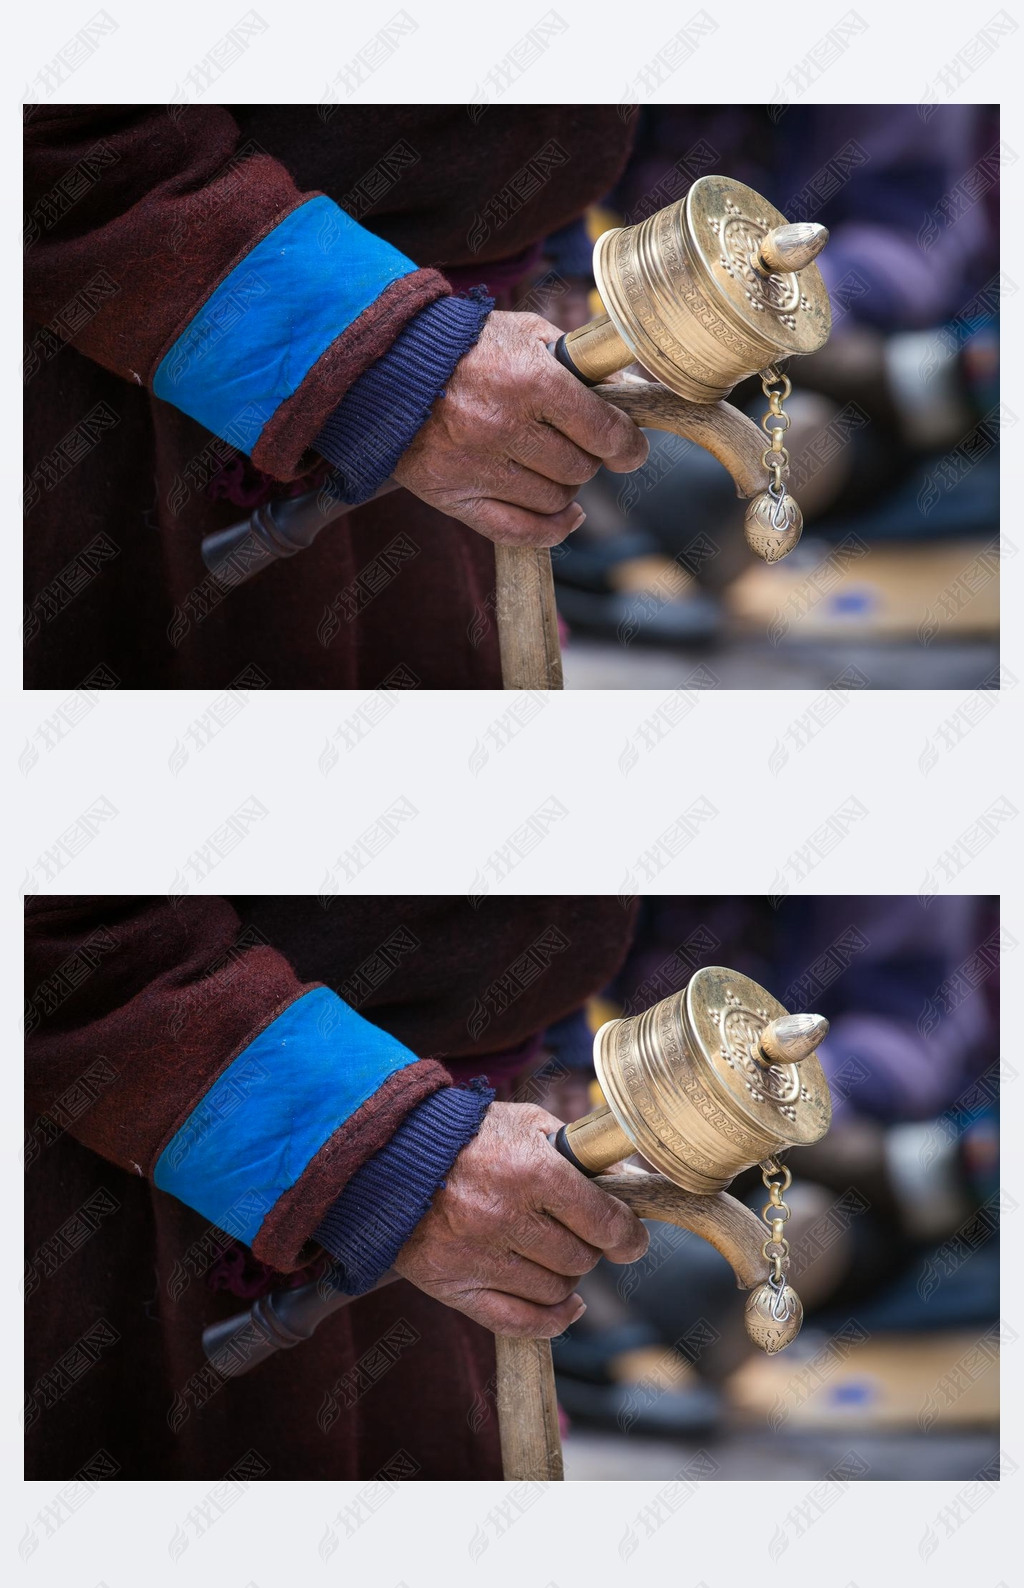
(740, 1033)
(741, 239)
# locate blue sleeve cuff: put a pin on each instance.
(385, 1199)
(384, 408)
(259, 333)
(254, 1133)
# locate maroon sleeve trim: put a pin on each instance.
(289, 433)
(289, 1225)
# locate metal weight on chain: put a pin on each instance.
(774, 1311)
(774, 522)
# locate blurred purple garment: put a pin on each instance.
(908, 204)
(913, 1015)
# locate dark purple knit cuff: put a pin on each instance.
(385, 1199)
(384, 408)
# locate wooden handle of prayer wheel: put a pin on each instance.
(527, 1405)
(732, 438)
(726, 1224)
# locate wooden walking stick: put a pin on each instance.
(716, 287)
(531, 656)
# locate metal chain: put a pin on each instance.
(776, 1214)
(776, 387)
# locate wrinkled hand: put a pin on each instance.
(514, 1228)
(513, 437)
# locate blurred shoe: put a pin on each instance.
(625, 1378)
(628, 592)
(587, 1354)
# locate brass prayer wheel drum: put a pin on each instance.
(714, 288)
(709, 1081)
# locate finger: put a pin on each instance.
(549, 1243)
(508, 525)
(521, 485)
(511, 1315)
(516, 1275)
(593, 1215)
(593, 424)
(552, 454)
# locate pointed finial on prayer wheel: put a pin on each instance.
(791, 247)
(791, 1038)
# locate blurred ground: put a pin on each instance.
(747, 663)
(849, 612)
(871, 1404)
(749, 1453)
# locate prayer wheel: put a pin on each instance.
(711, 1080)
(715, 287)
